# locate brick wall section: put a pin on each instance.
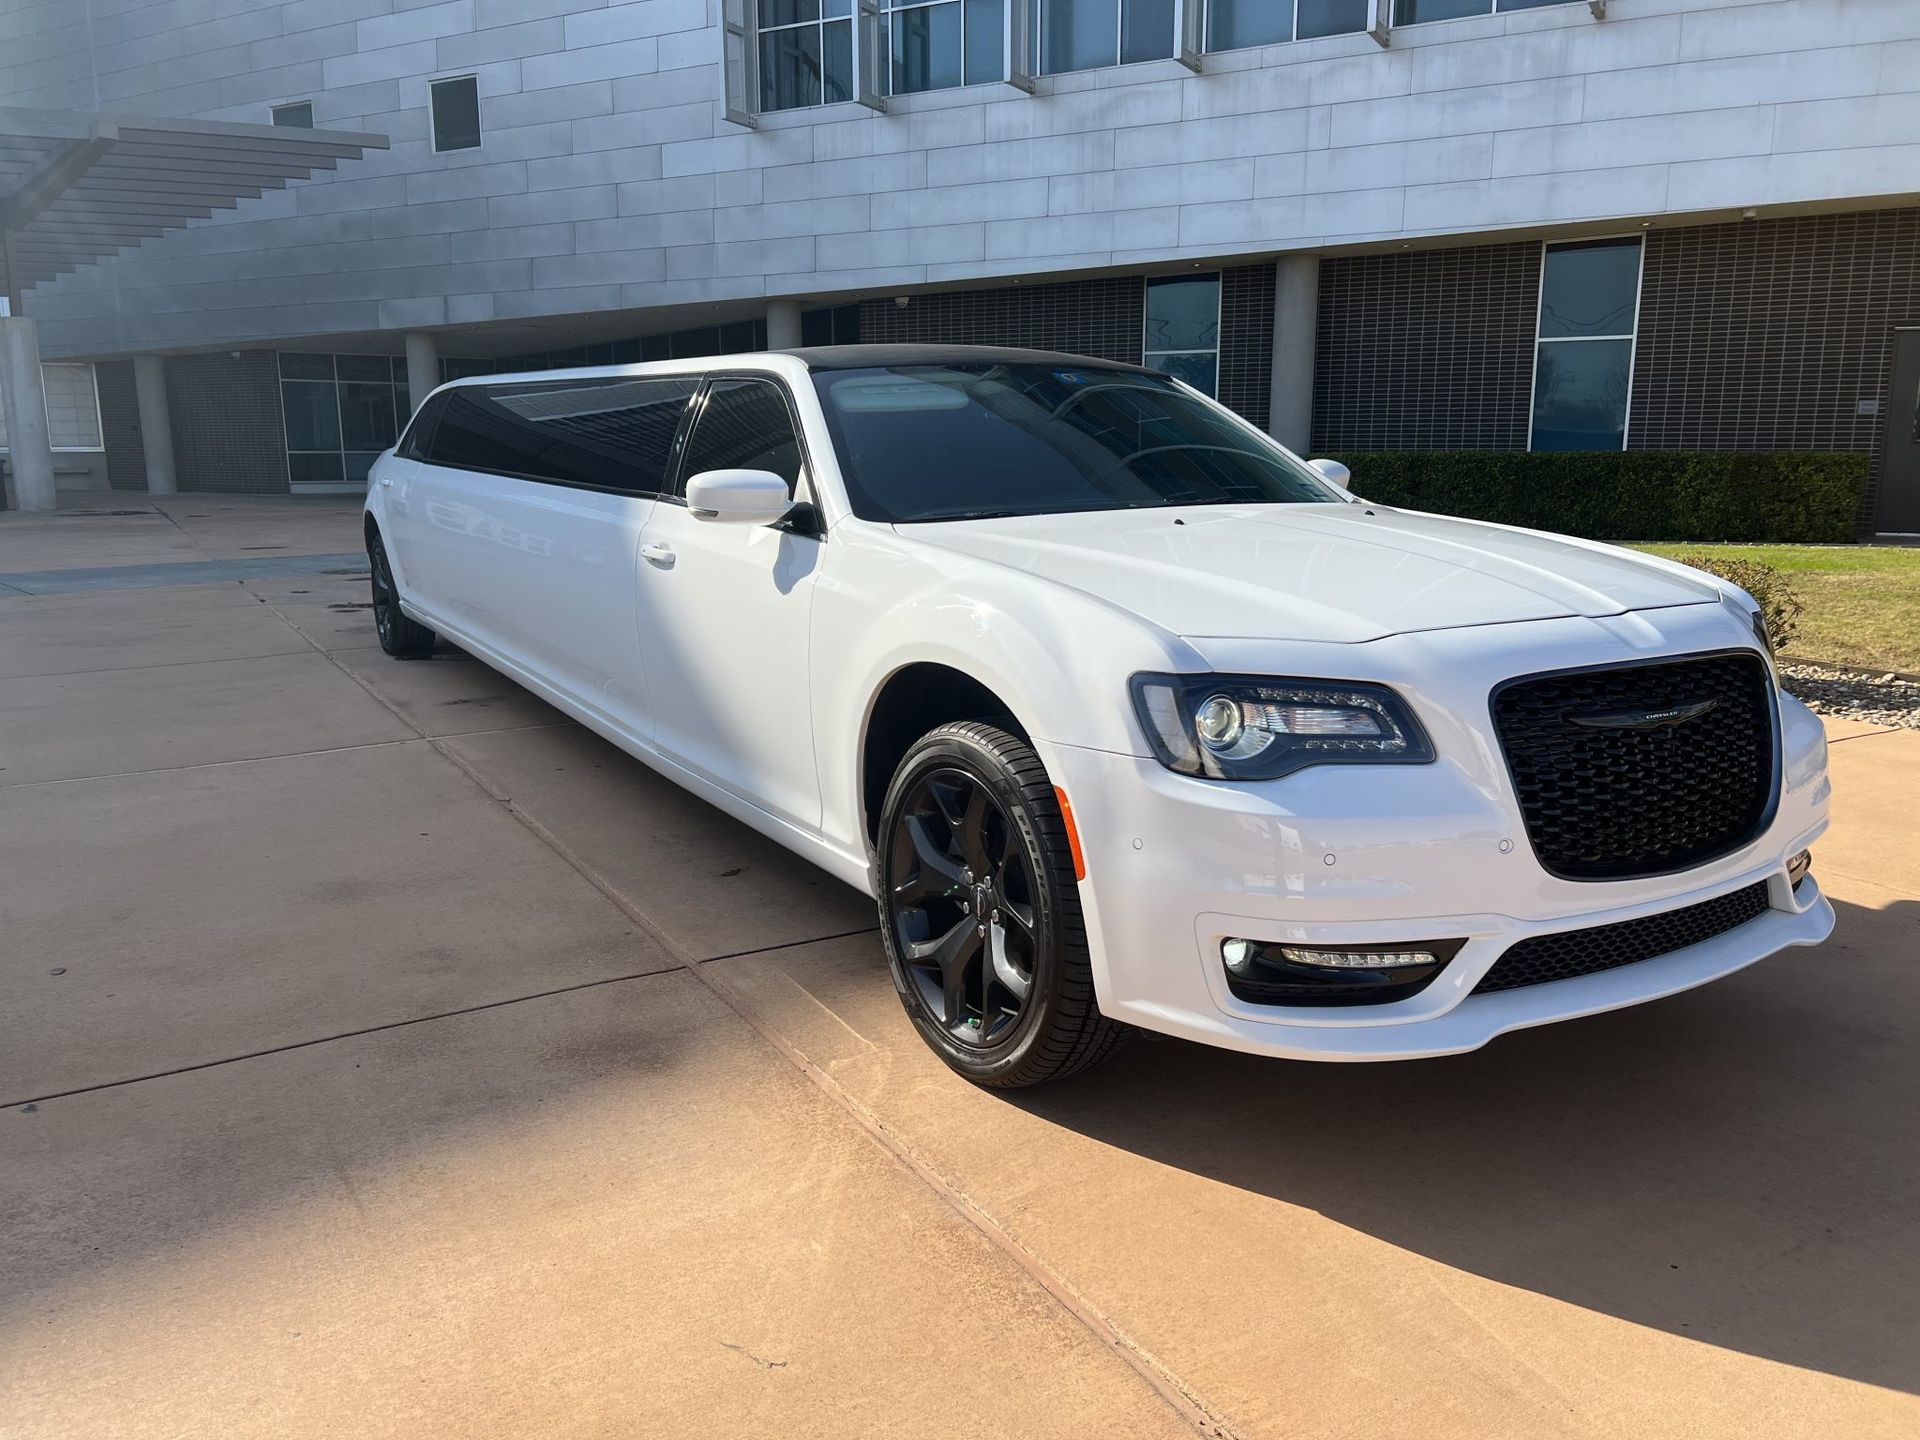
(120, 425)
(1246, 341)
(1426, 350)
(1768, 335)
(227, 431)
(1771, 334)
(1101, 318)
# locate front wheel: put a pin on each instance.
(980, 911)
(400, 637)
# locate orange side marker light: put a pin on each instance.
(1073, 834)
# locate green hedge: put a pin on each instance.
(1785, 496)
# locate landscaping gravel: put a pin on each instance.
(1876, 699)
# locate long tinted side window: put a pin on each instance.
(414, 443)
(609, 433)
(745, 425)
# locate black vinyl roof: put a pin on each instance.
(864, 357)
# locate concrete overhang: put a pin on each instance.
(75, 186)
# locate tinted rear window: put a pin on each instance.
(608, 433)
(963, 441)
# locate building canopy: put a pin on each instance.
(75, 187)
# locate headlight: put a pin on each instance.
(1248, 727)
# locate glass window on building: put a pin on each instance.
(1583, 359)
(1238, 24)
(927, 52)
(340, 412)
(456, 113)
(806, 53)
(1091, 34)
(942, 44)
(1183, 329)
(837, 326)
(297, 116)
(1413, 12)
(73, 408)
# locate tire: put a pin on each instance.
(978, 903)
(400, 637)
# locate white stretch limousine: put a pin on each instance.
(1124, 714)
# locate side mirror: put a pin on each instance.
(738, 497)
(1334, 473)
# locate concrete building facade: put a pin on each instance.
(1366, 224)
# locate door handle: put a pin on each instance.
(657, 554)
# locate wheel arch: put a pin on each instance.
(915, 698)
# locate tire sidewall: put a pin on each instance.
(955, 748)
(383, 580)
(404, 638)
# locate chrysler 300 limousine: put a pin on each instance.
(1125, 716)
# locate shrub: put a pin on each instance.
(1779, 606)
(1780, 497)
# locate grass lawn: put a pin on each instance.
(1862, 601)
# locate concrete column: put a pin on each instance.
(423, 365)
(29, 449)
(783, 324)
(156, 423)
(1296, 320)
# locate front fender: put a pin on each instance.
(1056, 658)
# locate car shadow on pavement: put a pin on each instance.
(1737, 1165)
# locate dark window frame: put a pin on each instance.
(1630, 337)
(290, 107)
(433, 113)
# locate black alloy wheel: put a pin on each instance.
(980, 911)
(400, 637)
(962, 897)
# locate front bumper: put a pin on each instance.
(1378, 855)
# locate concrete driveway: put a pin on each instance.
(383, 1054)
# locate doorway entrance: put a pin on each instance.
(1898, 513)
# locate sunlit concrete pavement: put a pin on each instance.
(385, 1055)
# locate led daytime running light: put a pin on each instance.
(1358, 959)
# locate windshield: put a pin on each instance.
(974, 441)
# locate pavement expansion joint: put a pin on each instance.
(1157, 1376)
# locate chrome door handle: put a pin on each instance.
(661, 555)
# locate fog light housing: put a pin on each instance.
(1799, 867)
(1272, 973)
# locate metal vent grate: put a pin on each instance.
(1607, 947)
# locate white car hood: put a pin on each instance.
(1335, 572)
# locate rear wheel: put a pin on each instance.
(981, 912)
(400, 637)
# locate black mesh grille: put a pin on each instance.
(1608, 796)
(1608, 947)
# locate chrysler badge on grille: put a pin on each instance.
(1645, 719)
